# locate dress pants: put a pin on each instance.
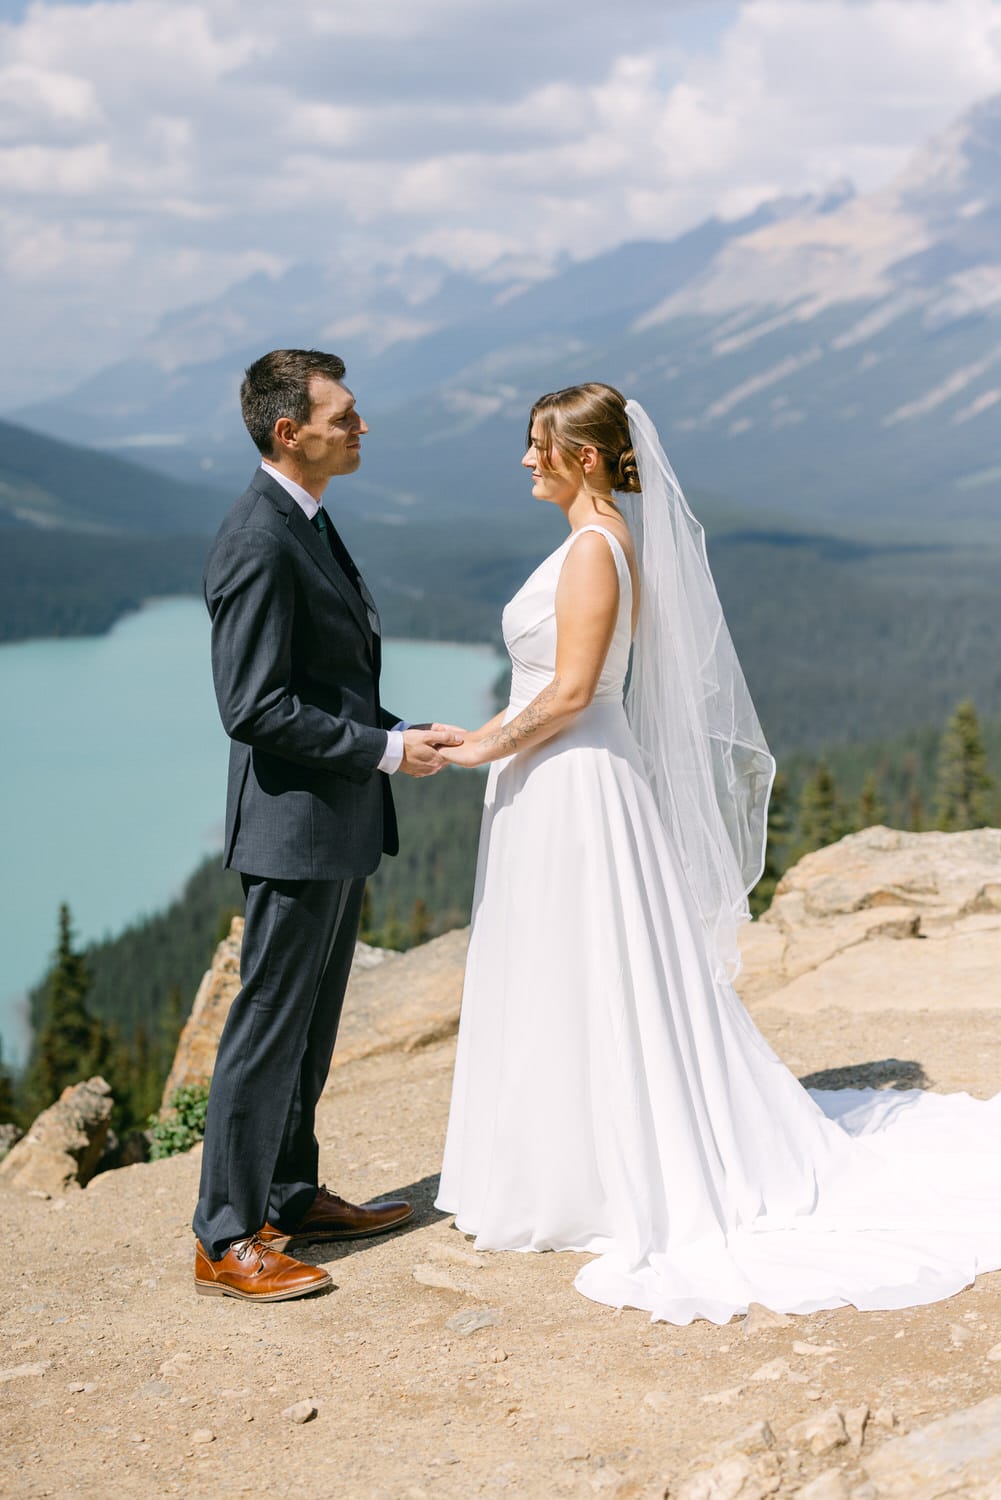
(260, 1159)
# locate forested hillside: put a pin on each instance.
(46, 483)
(847, 643)
(68, 583)
(841, 640)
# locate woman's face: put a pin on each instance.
(555, 480)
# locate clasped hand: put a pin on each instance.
(421, 748)
(469, 752)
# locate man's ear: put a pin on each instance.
(283, 434)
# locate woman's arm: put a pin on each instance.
(491, 725)
(587, 604)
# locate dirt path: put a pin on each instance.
(130, 1385)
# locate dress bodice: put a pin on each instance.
(529, 626)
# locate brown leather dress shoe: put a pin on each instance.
(255, 1271)
(331, 1218)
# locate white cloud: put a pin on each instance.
(150, 150)
(53, 171)
(45, 100)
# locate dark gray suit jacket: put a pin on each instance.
(296, 653)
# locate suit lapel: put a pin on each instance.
(307, 536)
(375, 624)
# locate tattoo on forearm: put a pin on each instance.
(538, 715)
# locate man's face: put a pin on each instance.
(330, 441)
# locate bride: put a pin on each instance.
(611, 1094)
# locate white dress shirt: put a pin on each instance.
(393, 754)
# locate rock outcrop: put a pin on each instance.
(958, 1455)
(886, 917)
(196, 1047)
(64, 1145)
(405, 1004)
(390, 1002)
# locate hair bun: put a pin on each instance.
(627, 478)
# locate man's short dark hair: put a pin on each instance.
(277, 385)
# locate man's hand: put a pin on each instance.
(442, 731)
(420, 749)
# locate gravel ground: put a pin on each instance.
(117, 1379)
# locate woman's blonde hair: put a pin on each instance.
(591, 415)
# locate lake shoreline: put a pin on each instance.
(115, 771)
(152, 600)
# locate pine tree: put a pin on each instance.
(393, 933)
(225, 922)
(420, 923)
(8, 1101)
(170, 1026)
(872, 809)
(914, 807)
(777, 838)
(915, 811)
(145, 1084)
(964, 790)
(820, 821)
(366, 925)
(71, 1044)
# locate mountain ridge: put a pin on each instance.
(833, 356)
(46, 482)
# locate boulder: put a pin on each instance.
(64, 1145)
(740, 1477)
(199, 1039)
(405, 1004)
(885, 916)
(821, 1433)
(958, 1455)
(393, 1000)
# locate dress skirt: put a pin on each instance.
(613, 1096)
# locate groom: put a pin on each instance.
(296, 652)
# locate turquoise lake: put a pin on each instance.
(113, 772)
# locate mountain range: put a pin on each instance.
(835, 357)
(825, 372)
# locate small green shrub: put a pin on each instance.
(181, 1125)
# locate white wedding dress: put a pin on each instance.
(611, 1095)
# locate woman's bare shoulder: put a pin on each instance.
(618, 528)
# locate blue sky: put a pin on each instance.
(152, 152)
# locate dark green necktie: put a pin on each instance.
(340, 553)
(342, 556)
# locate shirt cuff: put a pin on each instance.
(393, 754)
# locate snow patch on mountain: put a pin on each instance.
(760, 382)
(952, 386)
(976, 408)
(814, 262)
(977, 290)
(378, 332)
(880, 318)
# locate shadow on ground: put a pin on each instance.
(888, 1073)
(421, 1194)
